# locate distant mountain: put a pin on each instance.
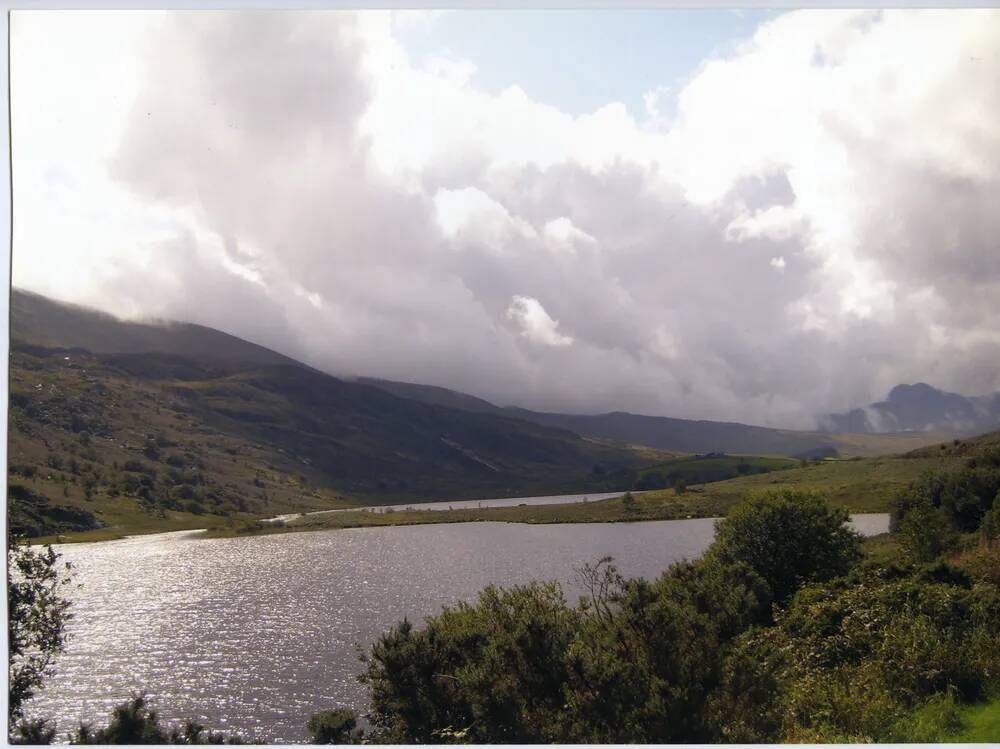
(920, 408)
(106, 415)
(665, 433)
(687, 435)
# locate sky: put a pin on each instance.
(746, 216)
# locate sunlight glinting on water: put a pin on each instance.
(255, 634)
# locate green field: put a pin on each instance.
(858, 485)
(980, 724)
(698, 469)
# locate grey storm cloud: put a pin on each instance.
(641, 298)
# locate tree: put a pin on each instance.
(925, 532)
(37, 616)
(790, 537)
(332, 727)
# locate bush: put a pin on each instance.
(642, 670)
(133, 722)
(36, 731)
(989, 528)
(849, 661)
(495, 667)
(925, 532)
(333, 727)
(775, 635)
(789, 537)
(634, 662)
(982, 564)
(963, 497)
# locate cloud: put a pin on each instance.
(812, 224)
(535, 323)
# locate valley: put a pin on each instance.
(119, 428)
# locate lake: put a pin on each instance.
(255, 634)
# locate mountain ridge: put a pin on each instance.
(37, 320)
(919, 407)
(219, 427)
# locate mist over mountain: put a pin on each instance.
(203, 392)
(706, 264)
(920, 407)
(168, 349)
(47, 322)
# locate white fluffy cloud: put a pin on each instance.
(815, 224)
(535, 323)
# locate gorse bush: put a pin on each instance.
(846, 662)
(776, 634)
(633, 662)
(496, 667)
(642, 672)
(934, 510)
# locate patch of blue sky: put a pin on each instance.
(581, 60)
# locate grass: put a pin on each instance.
(697, 469)
(864, 485)
(114, 534)
(881, 549)
(857, 485)
(874, 445)
(980, 723)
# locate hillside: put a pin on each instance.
(859, 485)
(48, 323)
(159, 439)
(681, 435)
(437, 396)
(45, 322)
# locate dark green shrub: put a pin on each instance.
(133, 722)
(495, 667)
(847, 661)
(333, 727)
(789, 537)
(925, 532)
(36, 731)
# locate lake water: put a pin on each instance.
(255, 634)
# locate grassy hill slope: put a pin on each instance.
(46, 322)
(857, 484)
(157, 441)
